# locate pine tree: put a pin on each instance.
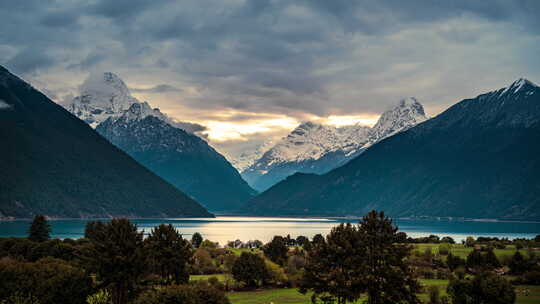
(196, 240)
(169, 254)
(117, 258)
(361, 259)
(39, 229)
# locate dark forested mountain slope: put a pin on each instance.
(181, 158)
(479, 159)
(53, 163)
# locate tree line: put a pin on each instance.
(115, 263)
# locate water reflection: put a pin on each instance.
(228, 228)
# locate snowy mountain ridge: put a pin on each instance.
(311, 143)
(101, 96)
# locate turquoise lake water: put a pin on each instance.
(225, 228)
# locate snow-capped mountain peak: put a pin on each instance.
(101, 96)
(519, 85)
(139, 111)
(317, 148)
(407, 113)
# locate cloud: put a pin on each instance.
(192, 128)
(160, 88)
(298, 59)
(31, 60)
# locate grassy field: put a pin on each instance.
(462, 251)
(292, 296)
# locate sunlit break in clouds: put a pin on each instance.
(247, 71)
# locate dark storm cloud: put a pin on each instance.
(60, 19)
(191, 127)
(31, 60)
(294, 57)
(160, 88)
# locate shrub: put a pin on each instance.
(200, 293)
(103, 296)
(203, 263)
(454, 262)
(444, 249)
(51, 281)
(250, 269)
(484, 288)
(443, 275)
(528, 278)
(276, 250)
(276, 275)
(20, 299)
(434, 295)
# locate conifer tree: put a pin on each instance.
(117, 258)
(169, 254)
(361, 259)
(196, 240)
(39, 229)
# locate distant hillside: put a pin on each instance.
(53, 163)
(479, 159)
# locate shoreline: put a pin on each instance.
(422, 218)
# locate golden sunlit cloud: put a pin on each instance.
(224, 127)
(240, 130)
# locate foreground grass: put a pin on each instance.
(292, 296)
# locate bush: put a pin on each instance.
(276, 250)
(51, 281)
(101, 297)
(454, 262)
(444, 249)
(484, 288)
(434, 295)
(200, 293)
(276, 274)
(250, 269)
(203, 263)
(20, 299)
(528, 278)
(443, 275)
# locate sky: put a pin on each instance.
(250, 71)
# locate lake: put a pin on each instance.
(227, 228)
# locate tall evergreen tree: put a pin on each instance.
(40, 229)
(169, 254)
(92, 227)
(117, 257)
(196, 240)
(361, 259)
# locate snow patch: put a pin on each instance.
(4, 105)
